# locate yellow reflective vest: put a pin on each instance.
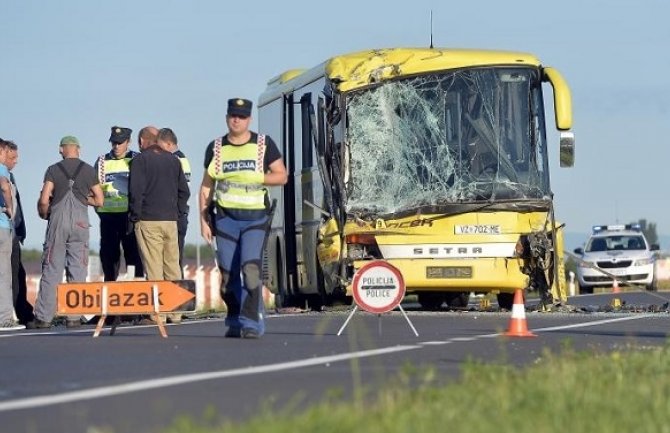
(113, 175)
(185, 165)
(239, 173)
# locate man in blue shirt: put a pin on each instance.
(7, 322)
(23, 308)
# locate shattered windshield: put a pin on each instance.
(457, 137)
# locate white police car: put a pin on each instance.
(619, 250)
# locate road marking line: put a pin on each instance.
(593, 323)
(434, 343)
(108, 391)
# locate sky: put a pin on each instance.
(78, 67)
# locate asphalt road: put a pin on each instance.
(62, 380)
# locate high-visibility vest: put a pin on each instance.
(113, 175)
(239, 173)
(185, 165)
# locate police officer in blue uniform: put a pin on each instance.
(239, 166)
(113, 169)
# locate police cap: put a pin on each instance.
(239, 107)
(120, 134)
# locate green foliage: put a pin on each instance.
(190, 252)
(622, 391)
(649, 230)
(31, 255)
(570, 265)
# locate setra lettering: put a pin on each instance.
(433, 251)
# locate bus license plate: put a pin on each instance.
(478, 229)
(448, 272)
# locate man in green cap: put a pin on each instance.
(70, 186)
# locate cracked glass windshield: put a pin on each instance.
(457, 137)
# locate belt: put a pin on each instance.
(247, 187)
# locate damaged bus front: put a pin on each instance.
(433, 160)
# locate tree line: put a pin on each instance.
(190, 253)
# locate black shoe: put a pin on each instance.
(26, 320)
(249, 333)
(74, 323)
(38, 324)
(233, 333)
(146, 320)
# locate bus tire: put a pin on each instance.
(457, 299)
(431, 301)
(283, 299)
(505, 300)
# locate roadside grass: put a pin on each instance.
(621, 391)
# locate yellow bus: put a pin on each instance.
(434, 160)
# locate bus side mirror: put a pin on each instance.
(567, 149)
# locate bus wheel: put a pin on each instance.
(654, 284)
(283, 298)
(339, 298)
(457, 299)
(585, 290)
(505, 300)
(431, 301)
(314, 302)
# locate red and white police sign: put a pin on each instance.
(378, 287)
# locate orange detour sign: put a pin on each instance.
(125, 297)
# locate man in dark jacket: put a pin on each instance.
(158, 195)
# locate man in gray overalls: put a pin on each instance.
(70, 186)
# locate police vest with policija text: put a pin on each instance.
(239, 173)
(113, 175)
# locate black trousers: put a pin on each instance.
(115, 232)
(23, 308)
(182, 226)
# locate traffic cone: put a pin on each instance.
(615, 286)
(517, 324)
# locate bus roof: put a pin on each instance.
(362, 68)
